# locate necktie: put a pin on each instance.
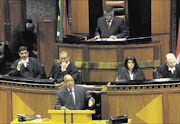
(109, 25)
(72, 96)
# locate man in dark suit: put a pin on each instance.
(59, 70)
(73, 97)
(168, 70)
(110, 26)
(26, 66)
(23, 35)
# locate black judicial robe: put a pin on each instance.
(163, 72)
(123, 74)
(57, 74)
(34, 69)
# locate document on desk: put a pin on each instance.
(109, 39)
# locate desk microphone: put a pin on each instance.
(68, 98)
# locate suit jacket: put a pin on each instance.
(163, 72)
(123, 74)
(33, 70)
(81, 98)
(58, 75)
(117, 28)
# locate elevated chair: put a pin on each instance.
(119, 7)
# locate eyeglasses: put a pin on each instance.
(108, 16)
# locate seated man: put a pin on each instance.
(26, 66)
(110, 26)
(168, 70)
(59, 70)
(73, 97)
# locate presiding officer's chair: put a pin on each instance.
(119, 7)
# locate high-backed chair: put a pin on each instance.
(97, 107)
(119, 7)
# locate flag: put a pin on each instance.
(58, 21)
(65, 20)
(178, 45)
(62, 22)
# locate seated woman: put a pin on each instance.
(130, 70)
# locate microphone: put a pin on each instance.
(70, 93)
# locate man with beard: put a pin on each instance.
(26, 66)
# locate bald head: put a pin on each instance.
(69, 81)
(171, 60)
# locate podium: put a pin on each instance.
(71, 116)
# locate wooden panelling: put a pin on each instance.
(173, 102)
(164, 40)
(76, 54)
(160, 23)
(5, 107)
(45, 45)
(2, 21)
(15, 15)
(141, 54)
(102, 75)
(27, 98)
(80, 16)
(102, 55)
(100, 62)
(129, 104)
(143, 103)
(160, 16)
(29, 103)
(148, 72)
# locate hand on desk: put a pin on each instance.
(113, 37)
(97, 37)
(63, 108)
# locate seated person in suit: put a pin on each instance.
(59, 70)
(26, 66)
(168, 70)
(130, 70)
(110, 26)
(73, 97)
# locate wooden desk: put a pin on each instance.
(143, 103)
(99, 62)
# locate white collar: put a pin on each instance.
(171, 69)
(67, 64)
(71, 89)
(109, 21)
(25, 62)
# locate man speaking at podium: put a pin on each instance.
(73, 97)
(110, 26)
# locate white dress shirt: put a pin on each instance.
(25, 63)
